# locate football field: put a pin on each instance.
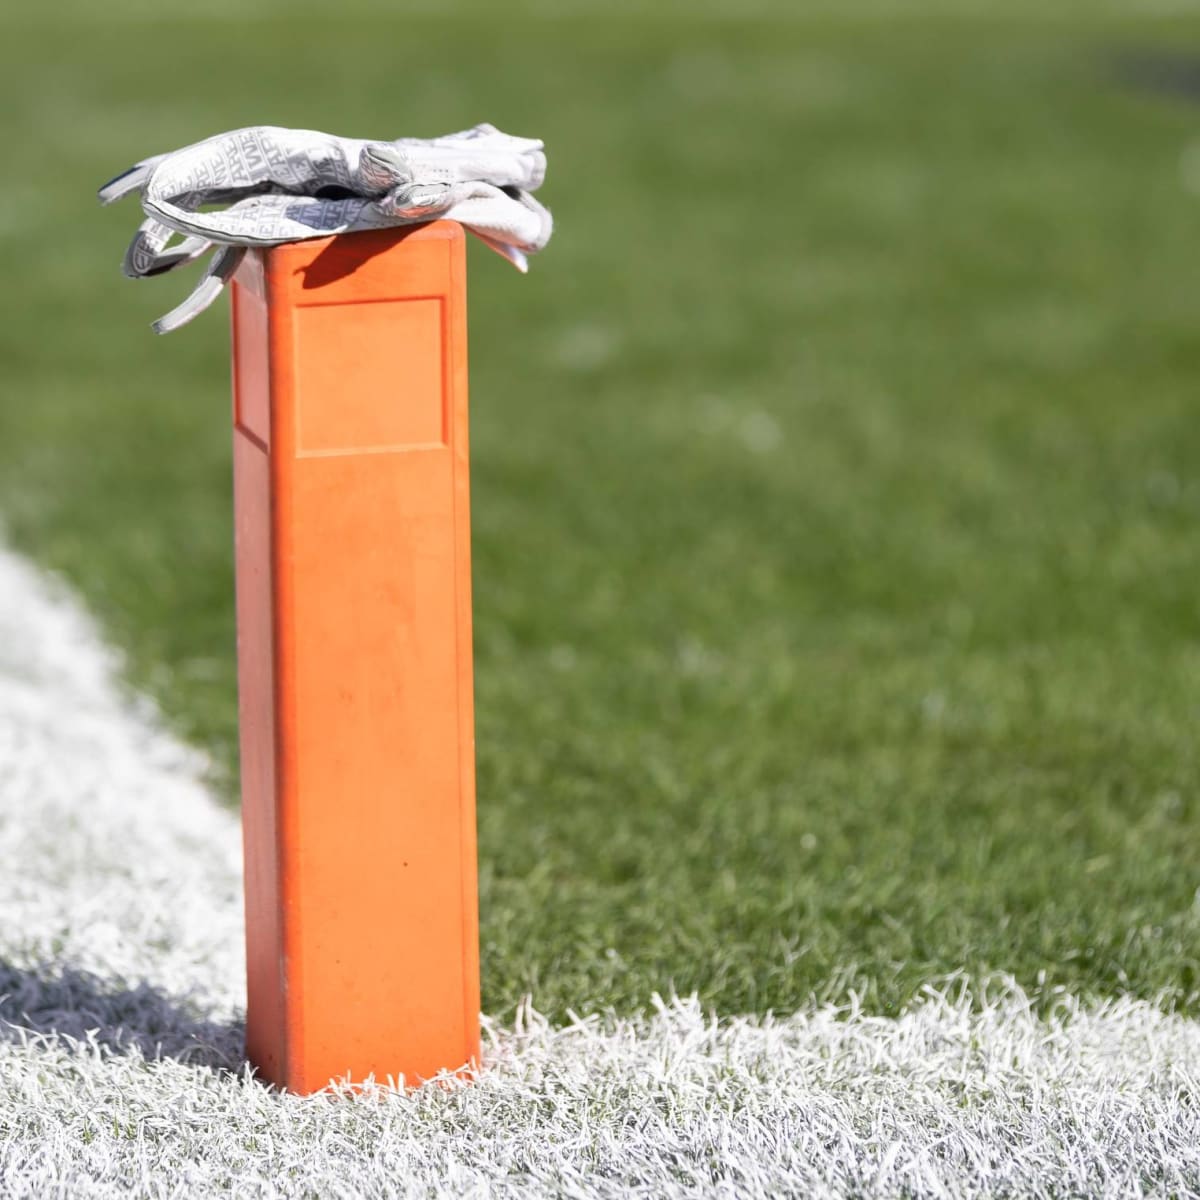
(836, 513)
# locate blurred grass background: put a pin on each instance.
(834, 472)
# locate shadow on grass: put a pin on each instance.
(71, 1004)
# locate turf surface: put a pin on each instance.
(835, 491)
(121, 1041)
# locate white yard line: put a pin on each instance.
(121, 981)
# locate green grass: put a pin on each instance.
(836, 499)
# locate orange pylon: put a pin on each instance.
(354, 657)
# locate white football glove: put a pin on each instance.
(286, 185)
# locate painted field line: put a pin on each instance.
(120, 994)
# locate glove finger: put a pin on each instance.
(269, 220)
(509, 216)
(506, 216)
(481, 133)
(147, 253)
(417, 201)
(128, 181)
(220, 270)
(381, 167)
(482, 153)
(501, 166)
(518, 258)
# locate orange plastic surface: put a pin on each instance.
(354, 657)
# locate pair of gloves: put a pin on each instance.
(286, 185)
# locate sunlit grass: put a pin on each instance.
(835, 492)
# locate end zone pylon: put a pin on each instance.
(354, 656)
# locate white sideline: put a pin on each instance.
(121, 981)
